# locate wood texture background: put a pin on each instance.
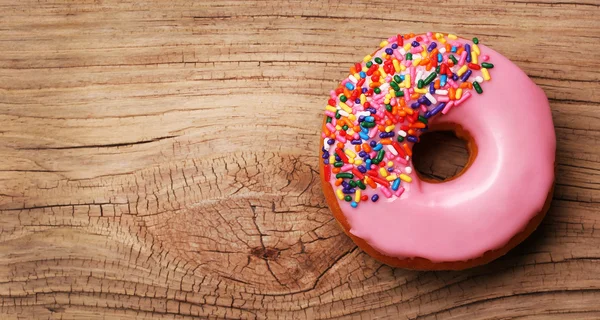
(159, 160)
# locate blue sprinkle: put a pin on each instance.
(364, 130)
(453, 49)
(353, 204)
(349, 85)
(402, 77)
(377, 147)
(363, 136)
(369, 119)
(396, 184)
(394, 46)
(443, 79)
(368, 164)
(362, 74)
(440, 58)
(389, 51)
(466, 75)
(374, 198)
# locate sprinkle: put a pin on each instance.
(477, 87)
(405, 178)
(344, 176)
(386, 192)
(339, 194)
(487, 65)
(396, 184)
(486, 74)
(374, 198)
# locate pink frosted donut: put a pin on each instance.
(412, 83)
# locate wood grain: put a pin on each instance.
(159, 160)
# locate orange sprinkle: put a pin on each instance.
(332, 136)
(402, 103)
(470, 85)
(464, 85)
(335, 170)
(357, 148)
(381, 128)
(347, 92)
(340, 145)
(374, 84)
(366, 147)
(356, 128)
(411, 131)
(385, 141)
(451, 93)
(407, 149)
(338, 182)
(424, 62)
(414, 96)
(408, 110)
(448, 47)
(402, 113)
(419, 125)
(370, 182)
(460, 51)
(436, 84)
(388, 122)
(377, 73)
(434, 52)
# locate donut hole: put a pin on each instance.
(440, 155)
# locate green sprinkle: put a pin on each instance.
(487, 65)
(369, 64)
(328, 120)
(380, 155)
(399, 93)
(344, 175)
(477, 87)
(361, 184)
(394, 85)
(397, 79)
(348, 198)
(420, 84)
(377, 90)
(352, 183)
(388, 107)
(338, 164)
(409, 56)
(400, 138)
(338, 115)
(378, 60)
(437, 69)
(422, 119)
(453, 59)
(367, 124)
(345, 127)
(343, 98)
(475, 40)
(430, 78)
(375, 161)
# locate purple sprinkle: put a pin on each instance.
(372, 144)
(345, 184)
(349, 191)
(431, 88)
(361, 118)
(356, 141)
(362, 154)
(326, 161)
(394, 46)
(372, 110)
(390, 169)
(364, 90)
(412, 139)
(330, 141)
(466, 75)
(432, 46)
(325, 155)
(362, 168)
(454, 77)
(415, 44)
(435, 110)
(337, 158)
(414, 105)
(389, 51)
(468, 51)
(357, 101)
(374, 198)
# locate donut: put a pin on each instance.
(417, 83)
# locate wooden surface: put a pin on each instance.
(159, 160)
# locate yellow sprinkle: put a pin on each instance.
(388, 96)
(338, 127)
(476, 48)
(358, 161)
(460, 71)
(386, 101)
(391, 177)
(422, 90)
(473, 57)
(357, 75)
(416, 62)
(367, 58)
(383, 172)
(350, 153)
(352, 117)
(438, 35)
(383, 74)
(384, 56)
(424, 52)
(350, 132)
(340, 194)
(365, 69)
(390, 128)
(331, 159)
(452, 36)
(357, 196)
(383, 43)
(396, 64)
(407, 80)
(390, 163)
(351, 161)
(363, 98)
(486, 74)
(405, 178)
(407, 46)
(345, 107)
(330, 108)
(458, 93)
(402, 67)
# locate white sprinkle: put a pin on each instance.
(363, 113)
(402, 133)
(479, 79)
(441, 92)
(402, 51)
(417, 56)
(430, 98)
(352, 79)
(343, 113)
(392, 150)
(384, 87)
(442, 50)
(408, 170)
(326, 145)
(419, 75)
(407, 158)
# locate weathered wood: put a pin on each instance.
(159, 161)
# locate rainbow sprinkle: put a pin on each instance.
(377, 113)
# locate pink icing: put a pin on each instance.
(505, 187)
